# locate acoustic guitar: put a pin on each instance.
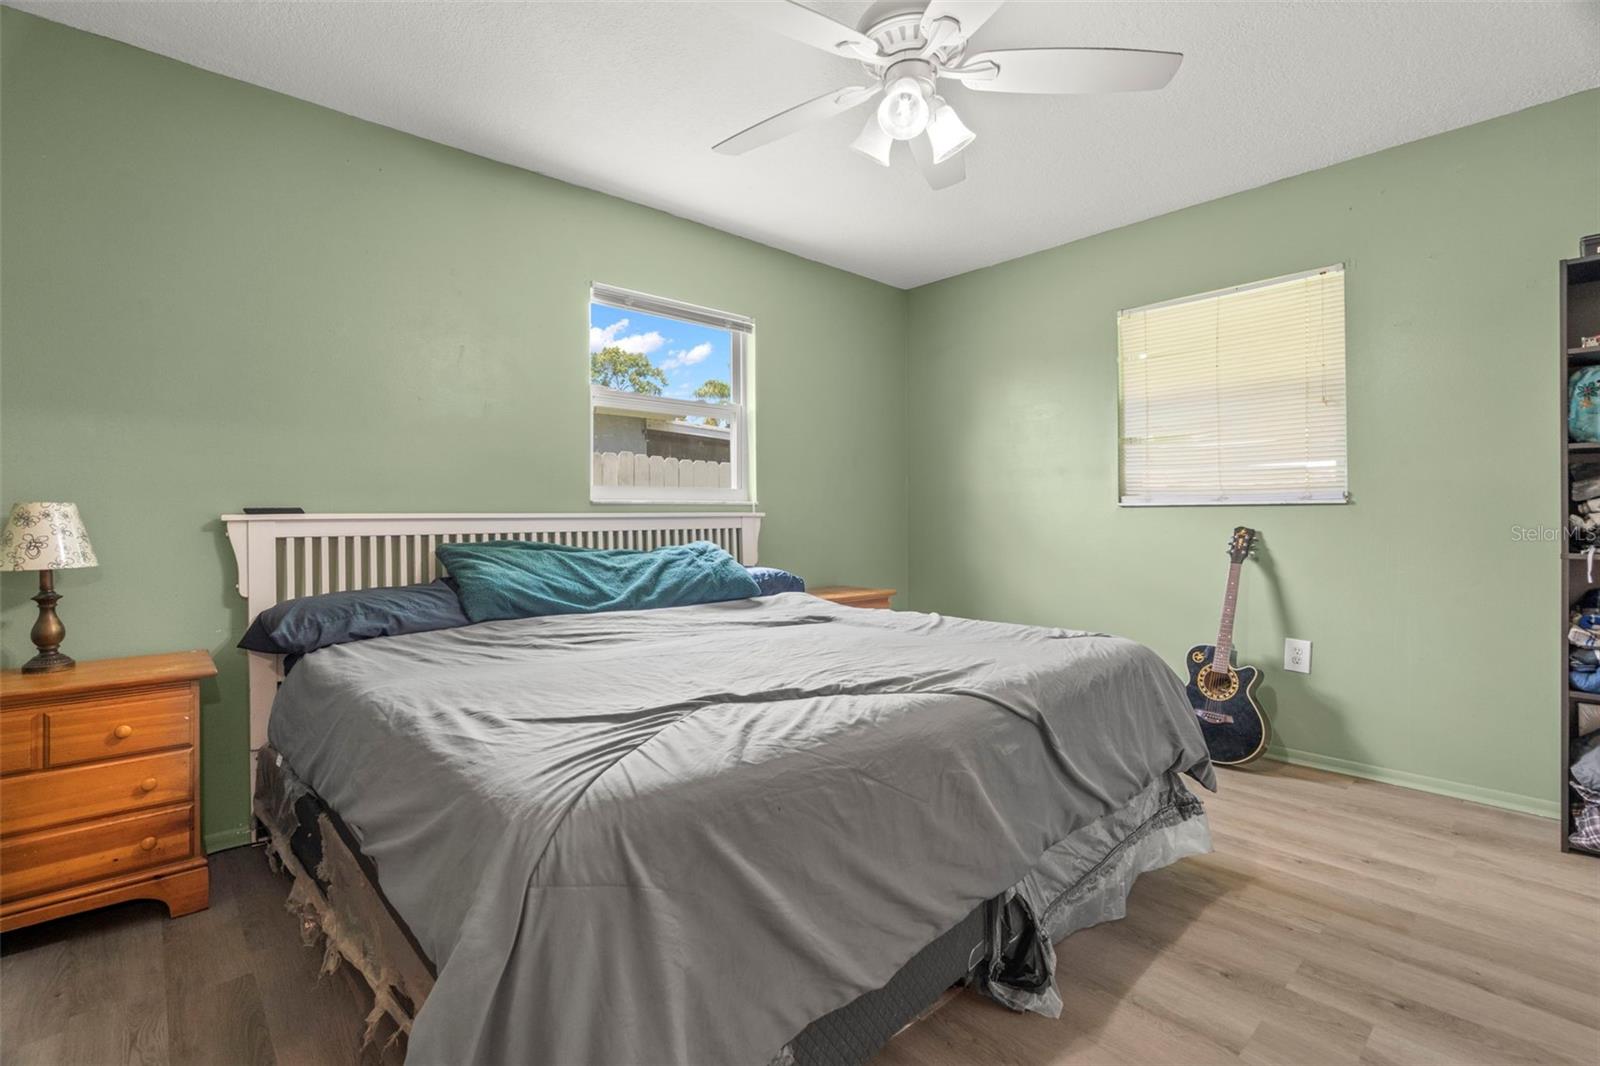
(1221, 691)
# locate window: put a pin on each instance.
(1236, 396)
(667, 404)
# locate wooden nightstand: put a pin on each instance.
(852, 596)
(99, 768)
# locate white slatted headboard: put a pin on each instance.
(283, 556)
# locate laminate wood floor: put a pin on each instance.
(229, 985)
(1338, 921)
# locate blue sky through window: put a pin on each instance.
(689, 354)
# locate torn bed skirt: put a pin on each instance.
(1006, 949)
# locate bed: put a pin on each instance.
(765, 830)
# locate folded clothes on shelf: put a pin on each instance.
(1586, 763)
(1583, 638)
(1588, 718)
(1586, 785)
(1584, 679)
(1585, 483)
(1583, 657)
(1586, 818)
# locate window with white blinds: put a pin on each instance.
(1236, 396)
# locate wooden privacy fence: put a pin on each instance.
(656, 471)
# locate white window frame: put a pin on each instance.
(735, 412)
(1176, 499)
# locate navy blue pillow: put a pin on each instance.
(771, 581)
(296, 627)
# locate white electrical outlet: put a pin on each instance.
(1297, 655)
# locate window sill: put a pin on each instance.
(1241, 501)
(633, 494)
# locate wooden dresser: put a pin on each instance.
(852, 596)
(99, 768)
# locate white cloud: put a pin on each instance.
(643, 343)
(678, 359)
(599, 338)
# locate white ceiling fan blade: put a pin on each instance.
(1067, 70)
(938, 175)
(800, 23)
(796, 118)
(968, 14)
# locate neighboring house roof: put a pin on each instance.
(688, 429)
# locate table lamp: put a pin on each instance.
(46, 537)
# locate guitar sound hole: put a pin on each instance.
(1216, 686)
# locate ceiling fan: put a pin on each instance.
(907, 48)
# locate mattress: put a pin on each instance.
(783, 797)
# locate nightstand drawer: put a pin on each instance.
(59, 858)
(51, 797)
(110, 727)
(20, 742)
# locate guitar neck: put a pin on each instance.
(1224, 646)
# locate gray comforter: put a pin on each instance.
(682, 835)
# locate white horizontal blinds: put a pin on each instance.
(660, 305)
(1236, 396)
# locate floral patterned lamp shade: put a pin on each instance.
(45, 536)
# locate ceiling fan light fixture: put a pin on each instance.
(873, 142)
(906, 47)
(947, 134)
(903, 112)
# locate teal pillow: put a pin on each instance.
(525, 579)
(1583, 404)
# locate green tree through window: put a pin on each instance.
(714, 391)
(614, 368)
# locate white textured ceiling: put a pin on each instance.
(628, 98)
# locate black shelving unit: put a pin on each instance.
(1580, 317)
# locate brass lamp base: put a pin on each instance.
(45, 663)
(47, 632)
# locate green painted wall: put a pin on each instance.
(1435, 648)
(214, 296)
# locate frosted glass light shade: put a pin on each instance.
(947, 134)
(873, 142)
(45, 536)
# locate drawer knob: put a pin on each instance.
(147, 843)
(123, 732)
(148, 784)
